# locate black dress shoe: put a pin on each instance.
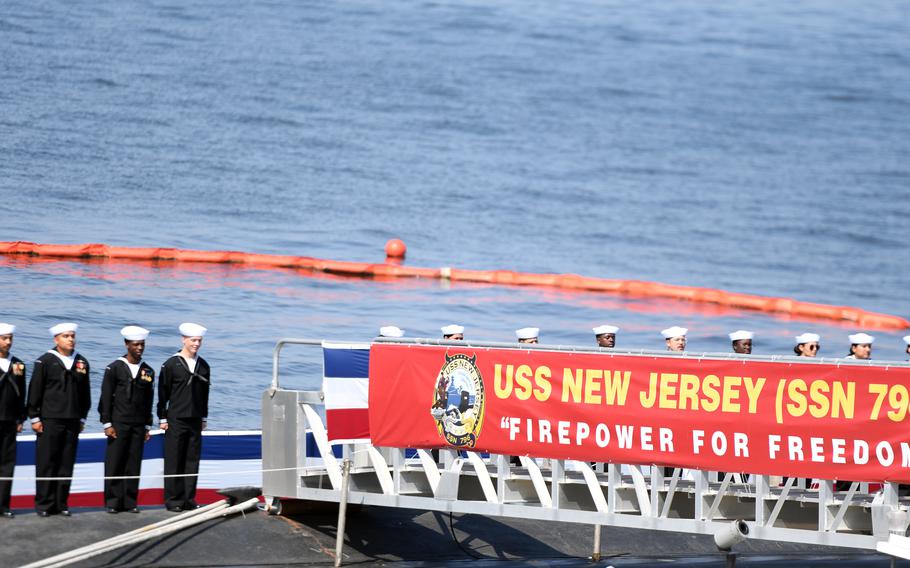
(175, 509)
(111, 510)
(8, 514)
(43, 514)
(66, 513)
(133, 510)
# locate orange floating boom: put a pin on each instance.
(861, 318)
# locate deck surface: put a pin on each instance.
(382, 536)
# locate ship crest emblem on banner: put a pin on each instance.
(458, 401)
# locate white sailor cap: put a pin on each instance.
(808, 338)
(602, 329)
(7, 329)
(63, 328)
(860, 339)
(740, 334)
(674, 331)
(907, 339)
(192, 330)
(134, 333)
(527, 332)
(390, 331)
(452, 329)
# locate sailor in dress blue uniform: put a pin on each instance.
(59, 398)
(807, 344)
(528, 335)
(391, 331)
(860, 346)
(453, 332)
(741, 340)
(675, 338)
(127, 392)
(605, 335)
(183, 403)
(12, 412)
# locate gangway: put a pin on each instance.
(645, 496)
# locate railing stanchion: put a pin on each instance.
(388, 477)
(342, 510)
(595, 556)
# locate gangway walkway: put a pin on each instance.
(865, 516)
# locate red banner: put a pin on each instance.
(776, 418)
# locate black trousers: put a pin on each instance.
(55, 456)
(182, 448)
(7, 460)
(123, 456)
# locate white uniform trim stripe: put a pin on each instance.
(346, 393)
(211, 473)
(338, 345)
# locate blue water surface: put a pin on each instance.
(755, 147)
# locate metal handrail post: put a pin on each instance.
(342, 511)
(595, 557)
(276, 355)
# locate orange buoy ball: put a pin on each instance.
(395, 248)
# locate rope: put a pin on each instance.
(461, 545)
(154, 475)
(168, 475)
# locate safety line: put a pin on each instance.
(153, 475)
(169, 475)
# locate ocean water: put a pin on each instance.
(759, 147)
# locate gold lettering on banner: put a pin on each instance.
(728, 394)
(647, 399)
(896, 397)
(825, 399)
(502, 382)
(673, 391)
(595, 386)
(522, 382)
(712, 397)
(542, 385)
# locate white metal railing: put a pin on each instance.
(626, 495)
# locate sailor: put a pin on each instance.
(12, 412)
(59, 398)
(127, 392)
(390, 331)
(605, 335)
(742, 341)
(183, 403)
(453, 332)
(675, 338)
(907, 341)
(860, 346)
(528, 334)
(807, 345)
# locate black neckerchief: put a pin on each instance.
(68, 372)
(193, 374)
(6, 373)
(129, 386)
